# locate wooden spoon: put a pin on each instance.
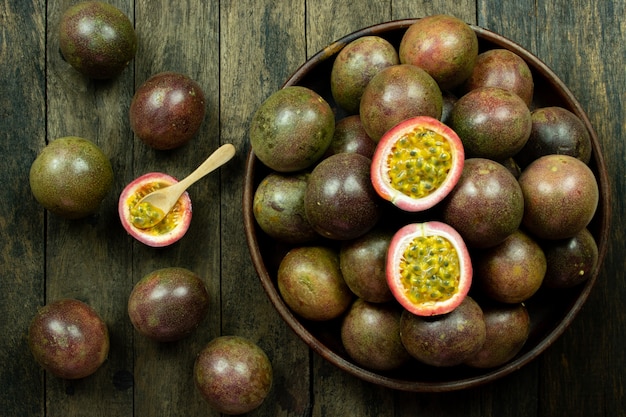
(153, 207)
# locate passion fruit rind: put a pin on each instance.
(429, 270)
(417, 163)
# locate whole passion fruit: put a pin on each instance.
(340, 201)
(97, 39)
(350, 137)
(492, 122)
(292, 129)
(487, 204)
(398, 93)
(429, 270)
(309, 280)
(417, 163)
(561, 196)
(233, 374)
(70, 177)
(68, 338)
(445, 46)
(169, 230)
(571, 261)
(167, 110)
(370, 333)
(445, 340)
(278, 207)
(354, 67)
(168, 304)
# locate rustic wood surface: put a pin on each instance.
(240, 52)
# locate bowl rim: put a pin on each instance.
(490, 374)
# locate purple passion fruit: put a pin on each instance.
(233, 374)
(69, 339)
(398, 93)
(429, 270)
(278, 208)
(292, 129)
(350, 137)
(97, 39)
(561, 195)
(445, 46)
(417, 163)
(445, 340)
(169, 230)
(354, 67)
(168, 304)
(370, 333)
(70, 177)
(340, 201)
(167, 110)
(487, 204)
(570, 261)
(310, 282)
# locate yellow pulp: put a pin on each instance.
(145, 215)
(142, 213)
(419, 162)
(430, 269)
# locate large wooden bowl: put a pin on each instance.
(550, 314)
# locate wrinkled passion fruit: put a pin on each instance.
(169, 230)
(417, 163)
(429, 270)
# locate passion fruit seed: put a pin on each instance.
(145, 215)
(430, 269)
(142, 214)
(419, 162)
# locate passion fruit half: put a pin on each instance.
(169, 230)
(429, 270)
(417, 163)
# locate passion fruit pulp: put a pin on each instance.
(169, 230)
(429, 270)
(417, 163)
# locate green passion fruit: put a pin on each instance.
(97, 39)
(292, 129)
(429, 270)
(169, 230)
(445, 46)
(168, 304)
(70, 177)
(68, 338)
(167, 110)
(417, 163)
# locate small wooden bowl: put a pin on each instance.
(550, 315)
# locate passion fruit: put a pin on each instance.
(492, 122)
(167, 110)
(561, 195)
(292, 129)
(70, 177)
(571, 261)
(340, 201)
(278, 208)
(429, 270)
(309, 280)
(68, 338)
(350, 137)
(354, 67)
(417, 163)
(370, 333)
(398, 93)
(168, 304)
(97, 39)
(447, 339)
(233, 374)
(445, 46)
(169, 230)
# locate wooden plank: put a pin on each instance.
(261, 44)
(22, 59)
(463, 9)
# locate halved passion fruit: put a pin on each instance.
(417, 163)
(169, 230)
(429, 270)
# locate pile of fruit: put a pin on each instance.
(425, 200)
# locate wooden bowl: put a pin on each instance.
(550, 315)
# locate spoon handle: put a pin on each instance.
(218, 158)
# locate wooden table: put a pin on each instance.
(240, 52)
